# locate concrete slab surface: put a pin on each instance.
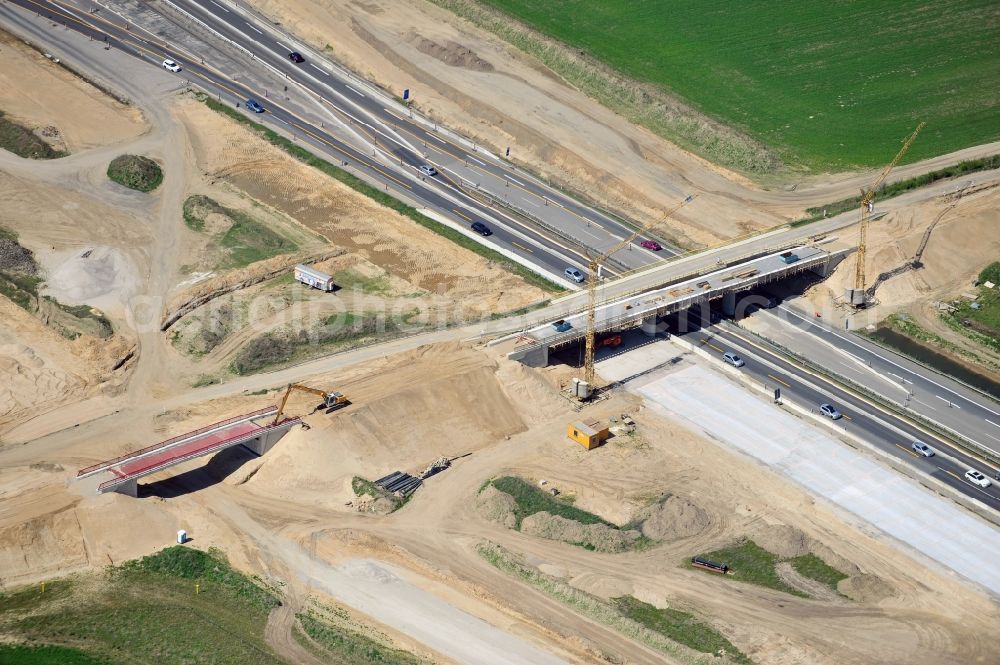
(894, 504)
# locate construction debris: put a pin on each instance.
(439, 465)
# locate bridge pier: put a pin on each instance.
(534, 357)
(729, 303)
(263, 443)
(129, 488)
(651, 326)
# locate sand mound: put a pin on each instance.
(536, 399)
(48, 543)
(434, 401)
(599, 537)
(833, 559)
(100, 276)
(783, 540)
(497, 506)
(865, 588)
(674, 518)
(452, 53)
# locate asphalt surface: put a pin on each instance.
(411, 140)
(890, 433)
(920, 390)
(471, 185)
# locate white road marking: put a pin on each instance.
(850, 341)
(991, 422)
(475, 160)
(442, 142)
(992, 437)
(950, 403)
(516, 181)
(254, 29)
(219, 6)
(319, 69)
(356, 92)
(283, 46)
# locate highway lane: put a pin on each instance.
(414, 141)
(890, 433)
(543, 251)
(923, 391)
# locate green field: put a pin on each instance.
(828, 85)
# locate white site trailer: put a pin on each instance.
(314, 278)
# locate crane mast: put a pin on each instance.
(856, 296)
(594, 266)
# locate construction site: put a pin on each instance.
(393, 445)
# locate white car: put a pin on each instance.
(171, 66)
(922, 448)
(977, 478)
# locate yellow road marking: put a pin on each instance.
(779, 380)
(715, 347)
(517, 244)
(847, 416)
(907, 450)
(951, 473)
(461, 214)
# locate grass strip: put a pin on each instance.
(347, 647)
(149, 611)
(45, 654)
(23, 142)
(811, 566)
(587, 605)
(381, 197)
(749, 562)
(681, 627)
(531, 500)
(896, 188)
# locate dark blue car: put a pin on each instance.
(255, 106)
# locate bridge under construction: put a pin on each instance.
(256, 431)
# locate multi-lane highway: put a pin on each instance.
(890, 433)
(377, 139)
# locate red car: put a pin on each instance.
(651, 245)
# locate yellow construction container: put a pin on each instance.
(588, 435)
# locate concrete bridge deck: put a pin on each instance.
(253, 430)
(534, 344)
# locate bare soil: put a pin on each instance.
(69, 113)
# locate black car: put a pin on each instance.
(481, 229)
(295, 56)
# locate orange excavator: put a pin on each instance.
(330, 400)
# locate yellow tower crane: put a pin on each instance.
(592, 279)
(856, 296)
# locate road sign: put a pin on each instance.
(406, 94)
(777, 394)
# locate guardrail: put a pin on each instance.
(236, 440)
(156, 447)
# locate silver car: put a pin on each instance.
(428, 170)
(733, 359)
(922, 448)
(830, 412)
(574, 274)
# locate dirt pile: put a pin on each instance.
(673, 518)
(497, 506)
(785, 541)
(16, 259)
(536, 399)
(451, 53)
(404, 413)
(866, 588)
(599, 537)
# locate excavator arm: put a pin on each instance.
(337, 397)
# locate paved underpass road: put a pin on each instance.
(890, 433)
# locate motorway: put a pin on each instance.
(891, 434)
(471, 186)
(929, 394)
